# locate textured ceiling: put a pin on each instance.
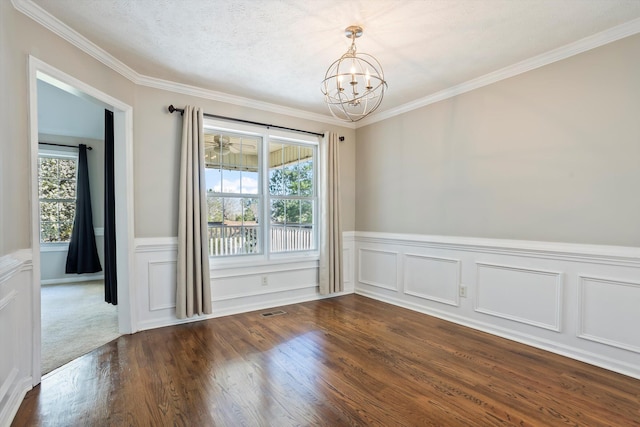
(278, 50)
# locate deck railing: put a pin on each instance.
(237, 239)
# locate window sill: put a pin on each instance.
(54, 247)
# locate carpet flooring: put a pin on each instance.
(75, 321)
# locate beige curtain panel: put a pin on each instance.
(330, 276)
(193, 293)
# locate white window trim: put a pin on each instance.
(266, 257)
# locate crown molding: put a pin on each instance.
(35, 12)
(237, 100)
(591, 42)
(57, 27)
(53, 24)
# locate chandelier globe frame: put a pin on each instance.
(354, 84)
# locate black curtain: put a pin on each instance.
(110, 279)
(83, 253)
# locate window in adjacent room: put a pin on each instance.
(57, 195)
(261, 193)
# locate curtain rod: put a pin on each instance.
(181, 110)
(62, 145)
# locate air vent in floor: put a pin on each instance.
(273, 313)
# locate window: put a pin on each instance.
(261, 192)
(57, 195)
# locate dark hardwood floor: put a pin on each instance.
(343, 361)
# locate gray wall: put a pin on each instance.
(549, 155)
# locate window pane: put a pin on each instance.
(230, 181)
(48, 167)
(66, 169)
(250, 181)
(290, 179)
(67, 211)
(65, 231)
(306, 178)
(275, 169)
(49, 232)
(48, 189)
(235, 226)
(213, 179)
(251, 212)
(306, 212)
(277, 211)
(291, 238)
(214, 209)
(48, 211)
(251, 221)
(67, 189)
(292, 211)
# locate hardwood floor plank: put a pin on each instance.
(347, 361)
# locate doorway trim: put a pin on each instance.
(123, 149)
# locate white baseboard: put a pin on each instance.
(13, 400)
(75, 279)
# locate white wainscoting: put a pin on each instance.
(580, 301)
(16, 332)
(234, 288)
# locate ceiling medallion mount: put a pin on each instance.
(354, 85)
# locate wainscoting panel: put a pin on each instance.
(604, 305)
(162, 276)
(432, 278)
(16, 332)
(580, 301)
(378, 268)
(523, 295)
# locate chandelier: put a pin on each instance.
(354, 85)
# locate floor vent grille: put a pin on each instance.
(273, 313)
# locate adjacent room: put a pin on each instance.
(279, 213)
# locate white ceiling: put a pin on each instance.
(277, 51)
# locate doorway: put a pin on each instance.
(42, 73)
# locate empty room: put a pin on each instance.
(328, 212)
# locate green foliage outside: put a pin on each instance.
(291, 180)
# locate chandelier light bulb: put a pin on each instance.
(366, 80)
